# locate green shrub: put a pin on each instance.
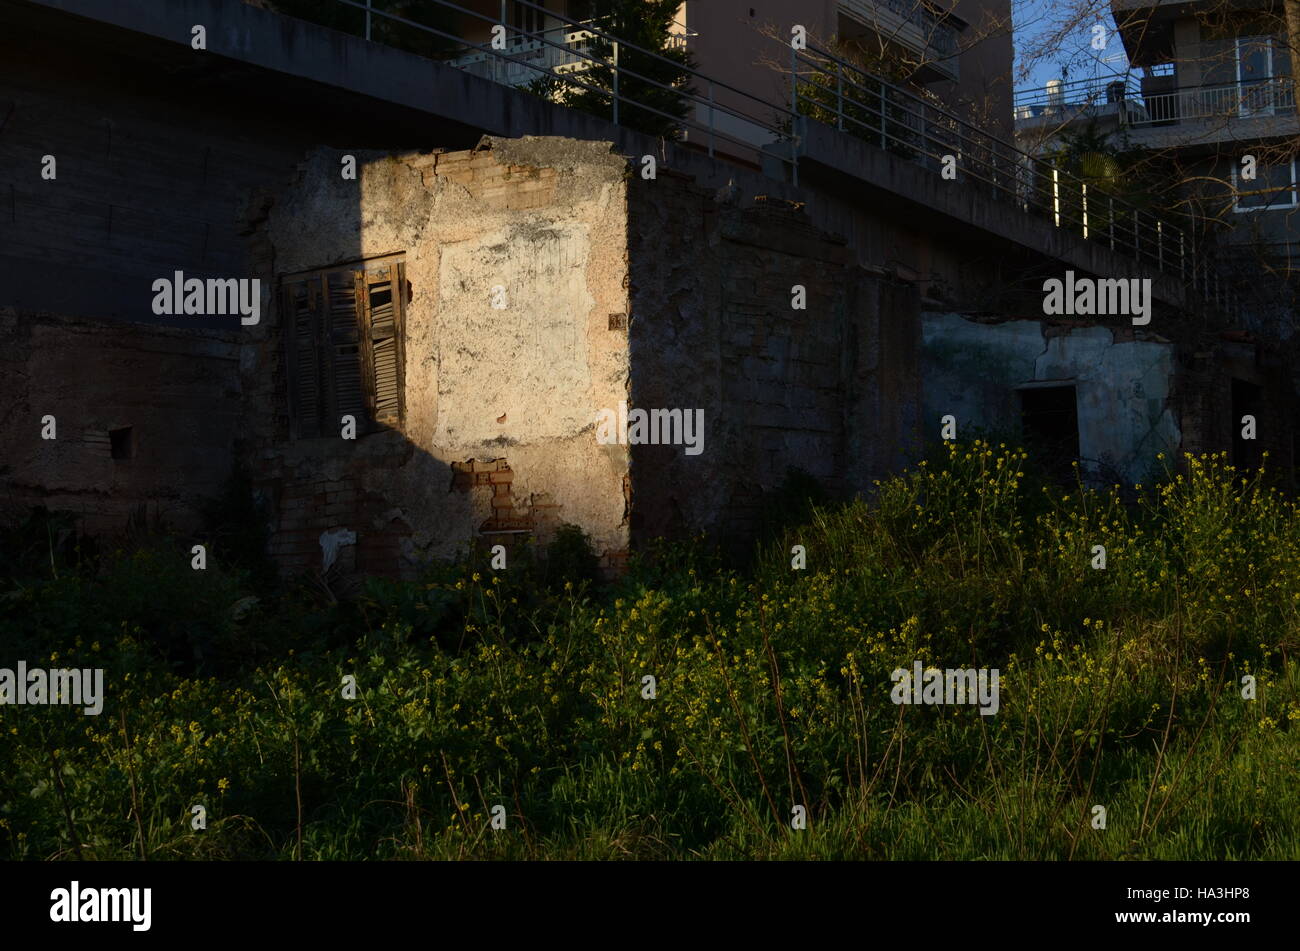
(770, 688)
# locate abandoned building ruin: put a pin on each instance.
(496, 274)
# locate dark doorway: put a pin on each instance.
(1247, 400)
(1049, 423)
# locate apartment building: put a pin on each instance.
(960, 52)
(1209, 98)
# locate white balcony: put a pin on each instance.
(1245, 100)
(1161, 117)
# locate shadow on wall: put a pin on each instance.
(114, 422)
(324, 379)
(443, 333)
(793, 359)
(455, 306)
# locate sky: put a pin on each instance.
(1076, 59)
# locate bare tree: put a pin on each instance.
(1210, 136)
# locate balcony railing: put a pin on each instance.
(902, 122)
(1240, 100)
(1269, 97)
(825, 88)
(1074, 95)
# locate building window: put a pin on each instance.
(1254, 58)
(1263, 72)
(121, 444)
(343, 349)
(528, 20)
(1274, 187)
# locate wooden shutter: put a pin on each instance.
(383, 299)
(302, 363)
(343, 348)
(346, 386)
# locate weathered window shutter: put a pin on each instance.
(302, 363)
(346, 384)
(343, 348)
(383, 345)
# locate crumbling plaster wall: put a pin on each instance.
(493, 397)
(1124, 385)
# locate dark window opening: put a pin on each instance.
(1049, 423)
(120, 443)
(1247, 400)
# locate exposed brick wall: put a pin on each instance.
(307, 508)
(492, 479)
(177, 391)
(497, 185)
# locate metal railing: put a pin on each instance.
(1079, 92)
(564, 53)
(743, 107)
(825, 88)
(1250, 99)
(531, 55)
(1243, 100)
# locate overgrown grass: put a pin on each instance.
(1120, 687)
